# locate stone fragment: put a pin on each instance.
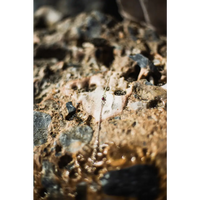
(141, 60)
(40, 129)
(140, 181)
(147, 67)
(71, 110)
(81, 190)
(77, 137)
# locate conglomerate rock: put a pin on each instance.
(77, 60)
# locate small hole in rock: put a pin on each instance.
(134, 123)
(74, 87)
(119, 92)
(96, 172)
(58, 148)
(152, 104)
(92, 87)
(106, 88)
(64, 161)
(43, 192)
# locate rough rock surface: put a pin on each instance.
(79, 59)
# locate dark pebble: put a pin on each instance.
(70, 107)
(71, 110)
(81, 190)
(144, 62)
(141, 60)
(140, 181)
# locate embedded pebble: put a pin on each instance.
(71, 110)
(40, 128)
(81, 190)
(141, 60)
(145, 63)
(140, 181)
(74, 139)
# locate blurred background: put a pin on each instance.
(73, 7)
(146, 12)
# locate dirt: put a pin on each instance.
(77, 59)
